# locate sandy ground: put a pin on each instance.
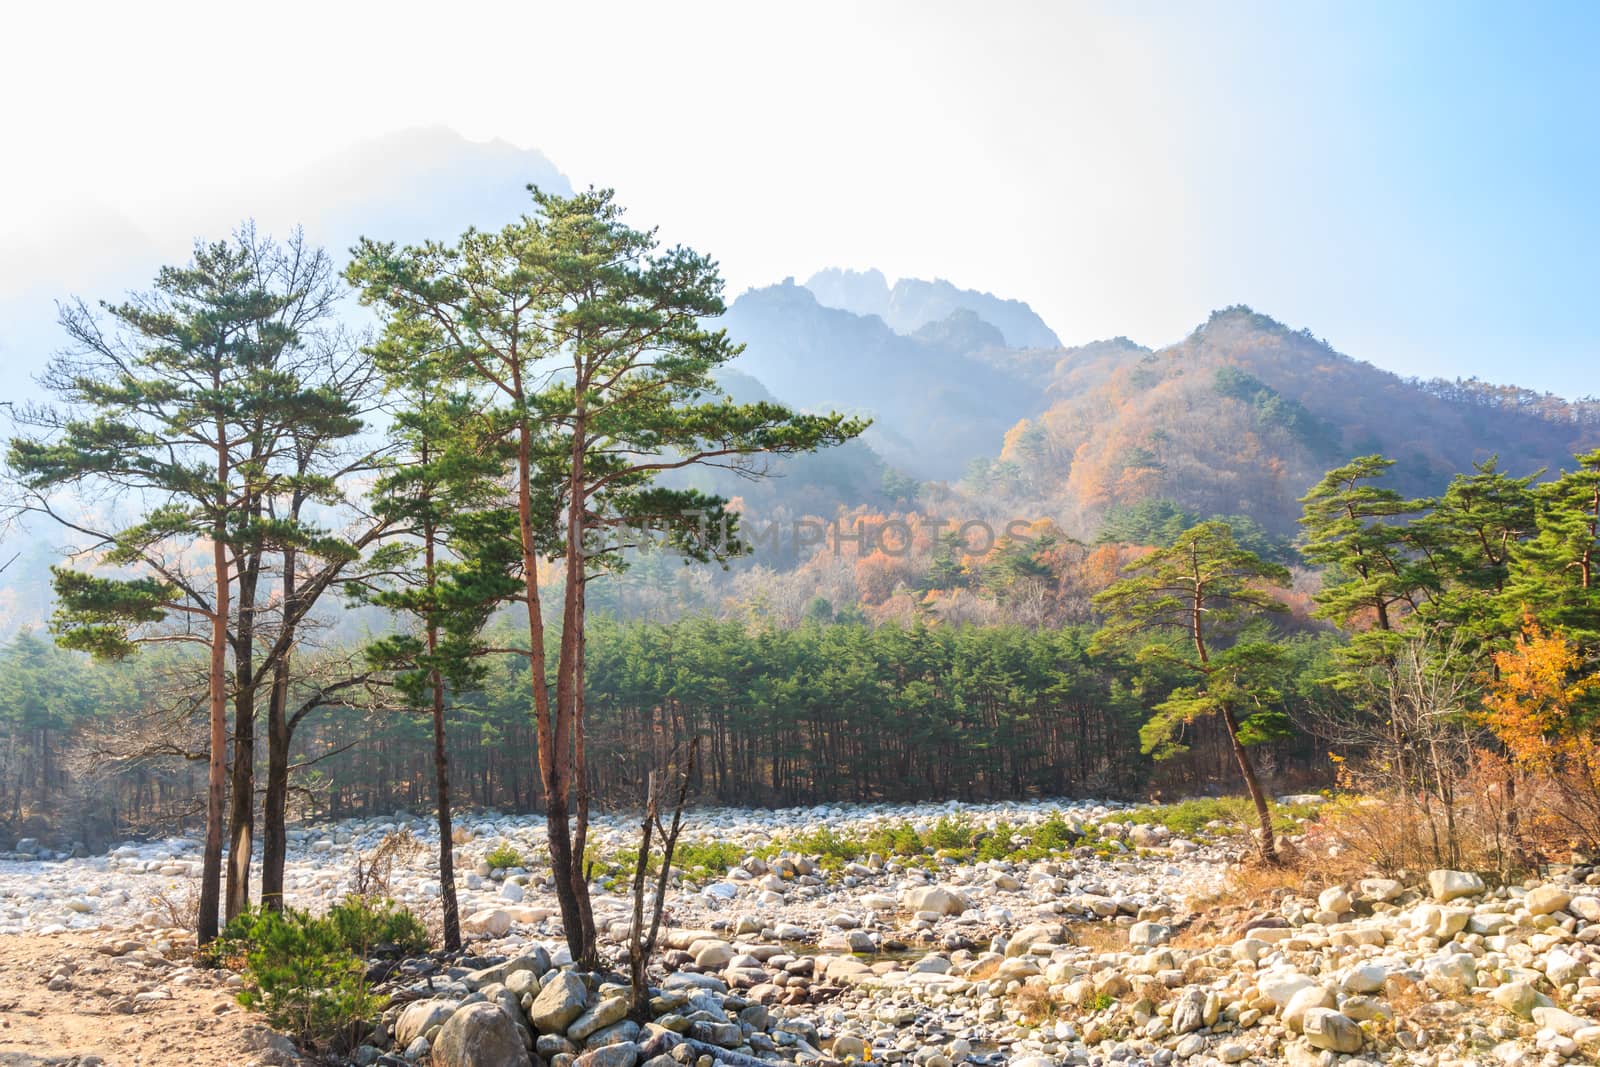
(128, 1010)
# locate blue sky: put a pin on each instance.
(1415, 182)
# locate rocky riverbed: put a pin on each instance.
(1110, 947)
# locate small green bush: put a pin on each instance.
(998, 844)
(504, 857)
(1188, 817)
(300, 973)
(1055, 834)
(363, 924)
(950, 833)
(715, 856)
(902, 840)
(830, 849)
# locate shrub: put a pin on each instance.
(363, 924)
(1055, 834)
(1187, 817)
(1000, 843)
(901, 840)
(828, 846)
(715, 856)
(950, 833)
(300, 973)
(504, 857)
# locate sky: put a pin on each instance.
(1414, 182)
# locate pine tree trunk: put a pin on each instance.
(1267, 840)
(242, 809)
(274, 843)
(216, 778)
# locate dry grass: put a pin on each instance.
(179, 904)
(374, 872)
(1404, 996)
(1098, 937)
(1036, 1004)
(984, 969)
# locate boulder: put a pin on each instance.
(603, 1014)
(1546, 899)
(1028, 936)
(712, 955)
(561, 1000)
(491, 922)
(421, 1016)
(622, 1054)
(1452, 974)
(934, 898)
(1381, 889)
(1585, 908)
(478, 1035)
(1559, 1022)
(1518, 998)
(1452, 885)
(1335, 899)
(1327, 1029)
(1281, 985)
(1189, 1012)
(1312, 996)
(1148, 934)
(1561, 967)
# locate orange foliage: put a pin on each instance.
(1533, 703)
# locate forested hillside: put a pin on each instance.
(1242, 416)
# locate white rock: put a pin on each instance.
(1328, 1029)
(1546, 899)
(1448, 885)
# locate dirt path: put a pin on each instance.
(117, 1004)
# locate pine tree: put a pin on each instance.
(453, 562)
(592, 341)
(1208, 590)
(182, 402)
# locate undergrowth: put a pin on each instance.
(307, 974)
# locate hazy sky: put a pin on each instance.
(1415, 182)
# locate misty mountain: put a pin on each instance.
(1245, 414)
(407, 187)
(914, 303)
(935, 405)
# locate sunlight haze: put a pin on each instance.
(1415, 189)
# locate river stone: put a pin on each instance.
(1366, 977)
(491, 922)
(1451, 885)
(1381, 889)
(1560, 1022)
(935, 898)
(608, 1011)
(1312, 996)
(713, 955)
(1028, 936)
(421, 1016)
(1585, 908)
(1334, 899)
(558, 1003)
(1327, 1029)
(1562, 967)
(1518, 998)
(1546, 899)
(1148, 934)
(1282, 985)
(1189, 1013)
(622, 1054)
(478, 1035)
(1452, 974)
